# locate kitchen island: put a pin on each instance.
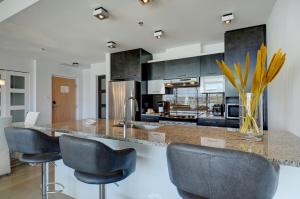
(151, 180)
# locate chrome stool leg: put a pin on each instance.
(102, 192)
(44, 180)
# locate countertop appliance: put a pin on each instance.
(120, 93)
(218, 109)
(164, 107)
(232, 111)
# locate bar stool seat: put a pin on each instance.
(98, 164)
(40, 158)
(98, 178)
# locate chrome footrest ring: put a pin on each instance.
(61, 188)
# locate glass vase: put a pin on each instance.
(251, 116)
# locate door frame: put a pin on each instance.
(97, 95)
(77, 116)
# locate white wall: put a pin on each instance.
(90, 89)
(283, 30)
(191, 50)
(44, 72)
(89, 77)
(12, 7)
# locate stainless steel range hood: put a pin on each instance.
(181, 83)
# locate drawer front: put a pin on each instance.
(211, 122)
(147, 118)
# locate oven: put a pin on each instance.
(233, 111)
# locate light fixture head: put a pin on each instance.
(144, 2)
(111, 44)
(101, 13)
(2, 82)
(158, 34)
(227, 18)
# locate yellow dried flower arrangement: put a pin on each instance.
(261, 78)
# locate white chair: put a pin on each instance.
(31, 119)
(4, 151)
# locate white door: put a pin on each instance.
(2, 94)
(17, 96)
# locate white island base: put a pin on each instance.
(151, 178)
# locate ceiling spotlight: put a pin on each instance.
(111, 44)
(227, 18)
(158, 34)
(101, 13)
(144, 2)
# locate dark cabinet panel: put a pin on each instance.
(232, 123)
(156, 70)
(209, 66)
(237, 44)
(211, 122)
(150, 118)
(126, 65)
(117, 66)
(182, 68)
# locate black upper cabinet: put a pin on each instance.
(237, 44)
(117, 69)
(155, 70)
(127, 65)
(209, 66)
(182, 68)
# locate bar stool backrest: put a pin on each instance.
(30, 141)
(204, 172)
(88, 156)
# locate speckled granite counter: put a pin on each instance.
(282, 147)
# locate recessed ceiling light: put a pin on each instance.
(111, 44)
(144, 2)
(227, 18)
(158, 34)
(101, 13)
(141, 23)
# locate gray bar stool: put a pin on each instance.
(35, 148)
(96, 163)
(209, 173)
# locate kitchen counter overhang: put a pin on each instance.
(277, 146)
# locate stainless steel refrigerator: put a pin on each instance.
(124, 98)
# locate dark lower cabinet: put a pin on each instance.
(150, 118)
(232, 123)
(211, 122)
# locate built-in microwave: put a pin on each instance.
(232, 111)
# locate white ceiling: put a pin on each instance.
(69, 32)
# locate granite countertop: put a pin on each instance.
(278, 146)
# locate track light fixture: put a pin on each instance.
(158, 34)
(227, 18)
(101, 13)
(144, 2)
(111, 44)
